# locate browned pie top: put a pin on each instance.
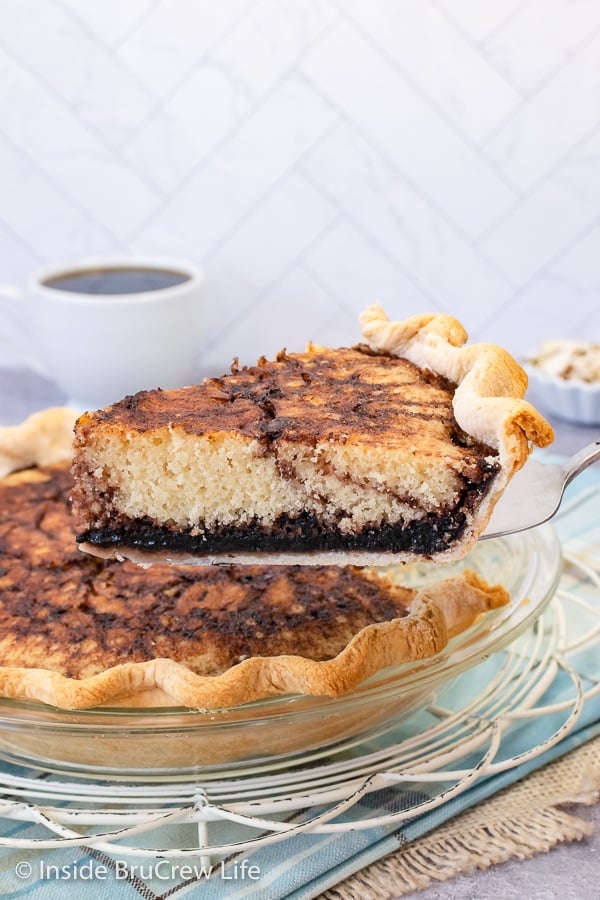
(343, 395)
(63, 610)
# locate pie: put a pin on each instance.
(45, 437)
(393, 450)
(80, 632)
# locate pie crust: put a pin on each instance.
(54, 655)
(45, 437)
(490, 384)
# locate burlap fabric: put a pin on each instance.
(517, 823)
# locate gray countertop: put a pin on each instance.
(569, 872)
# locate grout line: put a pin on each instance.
(306, 267)
(429, 201)
(479, 46)
(522, 195)
(543, 180)
(272, 189)
(256, 300)
(431, 104)
(592, 318)
(19, 239)
(81, 23)
(57, 186)
(502, 22)
(505, 20)
(185, 181)
(165, 98)
(89, 129)
(136, 24)
(375, 244)
(545, 270)
(549, 77)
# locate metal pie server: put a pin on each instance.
(535, 493)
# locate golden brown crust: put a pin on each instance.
(44, 438)
(488, 401)
(75, 618)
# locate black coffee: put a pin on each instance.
(116, 281)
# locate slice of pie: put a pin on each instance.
(79, 632)
(392, 450)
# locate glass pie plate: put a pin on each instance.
(175, 743)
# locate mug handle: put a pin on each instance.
(9, 342)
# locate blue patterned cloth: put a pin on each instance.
(303, 866)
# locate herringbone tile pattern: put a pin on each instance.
(313, 156)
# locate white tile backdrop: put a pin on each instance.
(313, 156)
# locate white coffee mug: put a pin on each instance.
(109, 327)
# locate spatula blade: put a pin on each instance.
(533, 495)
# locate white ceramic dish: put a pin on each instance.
(571, 400)
(171, 744)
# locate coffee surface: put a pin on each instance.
(116, 281)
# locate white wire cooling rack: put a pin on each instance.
(460, 737)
